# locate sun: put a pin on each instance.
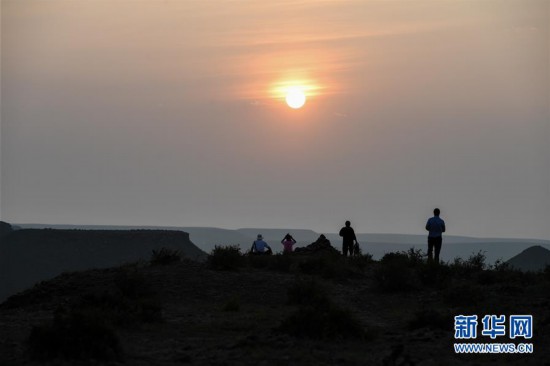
(295, 97)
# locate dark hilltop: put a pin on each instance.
(315, 308)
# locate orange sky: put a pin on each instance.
(157, 105)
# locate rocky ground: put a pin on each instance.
(210, 316)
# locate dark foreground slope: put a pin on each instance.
(296, 310)
(31, 255)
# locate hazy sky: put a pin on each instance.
(172, 113)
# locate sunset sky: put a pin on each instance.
(173, 113)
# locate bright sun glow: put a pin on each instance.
(295, 97)
(295, 91)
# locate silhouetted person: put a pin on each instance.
(260, 246)
(288, 241)
(348, 239)
(436, 227)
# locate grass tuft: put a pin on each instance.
(317, 317)
(78, 335)
(431, 319)
(308, 292)
(85, 329)
(232, 305)
(330, 322)
(328, 266)
(165, 256)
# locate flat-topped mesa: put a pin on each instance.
(33, 255)
(5, 228)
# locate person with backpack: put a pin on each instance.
(348, 239)
(260, 247)
(288, 241)
(435, 227)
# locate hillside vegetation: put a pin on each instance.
(277, 310)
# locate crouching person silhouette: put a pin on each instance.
(260, 247)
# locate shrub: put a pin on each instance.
(232, 305)
(464, 295)
(466, 268)
(85, 329)
(489, 277)
(226, 258)
(392, 278)
(433, 274)
(400, 258)
(501, 266)
(317, 316)
(506, 276)
(307, 292)
(457, 262)
(144, 303)
(277, 262)
(79, 335)
(259, 261)
(459, 268)
(323, 323)
(149, 310)
(121, 309)
(133, 284)
(476, 261)
(165, 256)
(394, 274)
(113, 307)
(432, 319)
(327, 265)
(360, 262)
(511, 289)
(129, 302)
(546, 272)
(499, 272)
(281, 262)
(415, 257)
(412, 257)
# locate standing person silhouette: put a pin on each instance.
(348, 239)
(436, 227)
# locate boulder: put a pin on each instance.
(321, 245)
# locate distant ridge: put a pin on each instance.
(252, 232)
(534, 258)
(31, 255)
(376, 244)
